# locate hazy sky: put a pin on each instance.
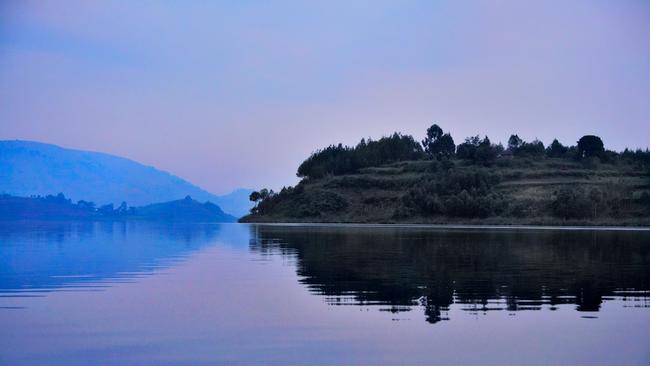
(237, 93)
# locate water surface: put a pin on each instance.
(141, 293)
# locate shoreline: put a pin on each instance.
(440, 221)
(455, 226)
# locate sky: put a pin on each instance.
(230, 94)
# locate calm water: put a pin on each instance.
(138, 294)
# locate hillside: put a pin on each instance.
(31, 168)
(61, 208)
(474, 183)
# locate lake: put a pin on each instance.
(137, 293)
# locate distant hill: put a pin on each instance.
(61, 208)
(186, 209)
(31, 168)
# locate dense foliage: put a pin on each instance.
(479, 151)
(339, 159)
(437, 143)
(590, 146)
(303, 205)
(453, 193)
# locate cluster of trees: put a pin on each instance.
(61, 199)
(302, 205)
(588, 146)
(340, 159)
(519, 147)
(263, 200)
(107, 210)
(57, 206)
(438, 144)
(638, 156)
(479, 151)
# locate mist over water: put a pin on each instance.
(146, 293)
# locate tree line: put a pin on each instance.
(340, 159)
(61, 205)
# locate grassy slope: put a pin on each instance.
(528, 186)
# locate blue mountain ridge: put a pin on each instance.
(29, 168)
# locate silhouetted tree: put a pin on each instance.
(514, 142)
(437, 143)
(433, 133)
(255, 196)
(590, 146)
(263, 199)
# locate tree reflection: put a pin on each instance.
(482, 270)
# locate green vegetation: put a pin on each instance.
(396, 180)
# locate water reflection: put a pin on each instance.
(46, 256)
(400, 268)
(148, 294)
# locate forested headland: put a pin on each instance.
(398, 179)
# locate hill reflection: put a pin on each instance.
(481, 270)
(47, 256)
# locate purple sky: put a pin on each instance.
(237, 94)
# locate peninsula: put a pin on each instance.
(397, 179)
